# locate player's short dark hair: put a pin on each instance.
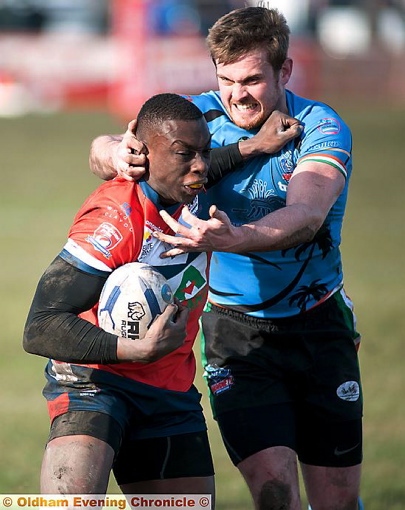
(163, 107)
(248, 29)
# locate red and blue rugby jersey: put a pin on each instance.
(114, 226)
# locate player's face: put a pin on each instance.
(251, 90)
(179, 157)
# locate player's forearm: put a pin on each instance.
(137, 351)
(101, 159)
(249, 148)
(280, 230)
(66, 337)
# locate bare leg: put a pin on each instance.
(192, 485)
(272, 477)
(76, 465)
(332, 488)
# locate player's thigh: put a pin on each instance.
(76, 464)
(162, 458)
(184, 485)
(249, 430)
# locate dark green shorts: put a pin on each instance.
(288, 382)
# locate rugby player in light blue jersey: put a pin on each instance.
(280, 340)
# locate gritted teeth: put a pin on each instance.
(245, 107)
(196, 186)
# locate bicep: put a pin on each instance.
(315, 185)
(65, 288)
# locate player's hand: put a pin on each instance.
(278, 130)
(166, 334)
(130, 159)
(215, 234)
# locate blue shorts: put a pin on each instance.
(149, 428)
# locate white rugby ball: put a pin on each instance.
(131, 298)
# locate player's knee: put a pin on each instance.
(275, 495)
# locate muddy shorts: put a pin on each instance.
(155, 433)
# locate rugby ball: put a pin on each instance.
(131, 298)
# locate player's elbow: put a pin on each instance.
(311, 230)
(33, 342)
(29, 344)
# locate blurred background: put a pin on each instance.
(74, 69)
(113, 54)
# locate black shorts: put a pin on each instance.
(155, 433)
(291, 382)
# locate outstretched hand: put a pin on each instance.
(130, 156)
(215, 234)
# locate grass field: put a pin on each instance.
(44, 178)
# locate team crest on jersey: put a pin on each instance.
(105, 238)
(349, 391)
(287, 165)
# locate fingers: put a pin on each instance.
(131, 155)
(198, 236)
(126, 169)
(219, 215)
(173, 252)
(170, 312)
(181, 316)
(177, 227)
(289, 124)
(173, 316)
(171, 222)
(213, 211)
(132, 126)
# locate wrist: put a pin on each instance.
(248, 148)
(131, 351)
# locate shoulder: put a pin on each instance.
(115, 191)
(207, 101)
(114, 202)
(222, 129)
(316, 114)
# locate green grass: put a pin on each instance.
(44, 179)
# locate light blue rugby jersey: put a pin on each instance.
(278, 283)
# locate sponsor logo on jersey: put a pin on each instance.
(324, 145)
(219, 379)
(117, 214)
(329, 126)
(126, 208)
(191, 282)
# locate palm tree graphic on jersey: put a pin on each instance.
(264, 202)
